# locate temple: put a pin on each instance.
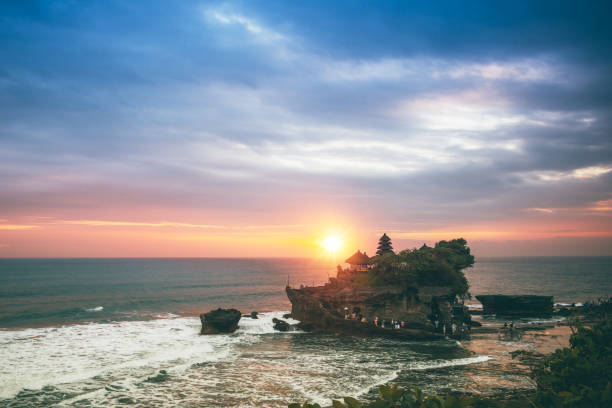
(359, 261)
(346, 305)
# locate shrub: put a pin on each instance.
(581, 375)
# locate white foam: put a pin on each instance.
(263, 324)
(34, 358)
(100, 362)
(37, 357)
(95, 309)
(429, 365)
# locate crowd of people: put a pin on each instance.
(451, 329)
(391, 324)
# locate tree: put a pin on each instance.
(441, 265)
(384, 245)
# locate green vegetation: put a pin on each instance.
(394, 397)
(441, 265)
(384, 245)
(581, 375)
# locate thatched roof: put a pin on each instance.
(358, 258)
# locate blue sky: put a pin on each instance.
(487, 120)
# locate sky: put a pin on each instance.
(258, 128)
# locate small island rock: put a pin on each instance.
(281, 325)
(220, 321)
(516, 305)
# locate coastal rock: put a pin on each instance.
(325, 309)
(252, 315)
(516, 305)
(220, 321)
(281, 325)
(287, 316)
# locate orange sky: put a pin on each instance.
(538, 233)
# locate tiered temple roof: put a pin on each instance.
(358, 258)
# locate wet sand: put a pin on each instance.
(503, 375)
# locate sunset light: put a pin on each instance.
(303, 201)
(332, 244)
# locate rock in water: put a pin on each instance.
(281, 325)
(516, 305)
(287, 316)
(220, 321)
(254, 315)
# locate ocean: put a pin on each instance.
(97, 332)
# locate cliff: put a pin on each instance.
(323, 308)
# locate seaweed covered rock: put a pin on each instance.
(516, 305)
(220, 321)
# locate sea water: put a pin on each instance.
(84, 332)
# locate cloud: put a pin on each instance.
(236, 113)
(16, 227)
(584, 173)
(100, 223)
(169, 224)
(250, 25)
(419, 68)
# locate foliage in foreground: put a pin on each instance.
(441, 265)
(394, 397)
(581, 375)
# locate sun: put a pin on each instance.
(332, 244)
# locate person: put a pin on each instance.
(453, 328)
(364, 320)
(376, 321)
(511, 327)
(403, 324)
(437, 322)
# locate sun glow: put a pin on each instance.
(332, 244)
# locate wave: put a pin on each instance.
(95, 309)
(101, 364)
(110, 349)
(431, 365)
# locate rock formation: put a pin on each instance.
(220, 321)
(516, 305)
(281, 325)
(325, 308)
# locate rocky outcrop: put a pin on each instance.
(516, 305)
(281, 325)
(220, 321)
(325, 308)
